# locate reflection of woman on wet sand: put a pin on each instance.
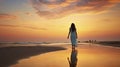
(73, 60)
(73, 35)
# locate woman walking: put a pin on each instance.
(73, 35)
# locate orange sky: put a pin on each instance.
(29, 20)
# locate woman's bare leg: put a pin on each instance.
(73, 47)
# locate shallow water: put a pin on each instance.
(86, 55)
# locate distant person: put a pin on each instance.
(73, 35)
(73, 59)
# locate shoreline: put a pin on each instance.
(11, 55)
(109, 43)
(95, 55)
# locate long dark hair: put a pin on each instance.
(73, 28)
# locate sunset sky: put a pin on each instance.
(49, 20)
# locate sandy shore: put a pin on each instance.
(85, 55)
(10, 55)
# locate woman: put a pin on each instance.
(73, 35)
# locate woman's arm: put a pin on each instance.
(68, 34)
(76, 35)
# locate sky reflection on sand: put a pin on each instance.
(88, 56)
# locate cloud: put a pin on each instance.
(29, 27)
(60, 8)
(7, 16)
(28, 13)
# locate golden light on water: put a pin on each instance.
(92, 56)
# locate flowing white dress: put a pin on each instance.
(73, 38)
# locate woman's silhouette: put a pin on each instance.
(73, 35)
(73, 59)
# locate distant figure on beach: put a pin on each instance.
(73, 59)
(73, 35)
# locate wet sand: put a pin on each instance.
(11, 55)
(86, 55)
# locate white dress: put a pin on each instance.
(73, 38)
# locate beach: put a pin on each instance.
(87, 55)
(11, 55)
